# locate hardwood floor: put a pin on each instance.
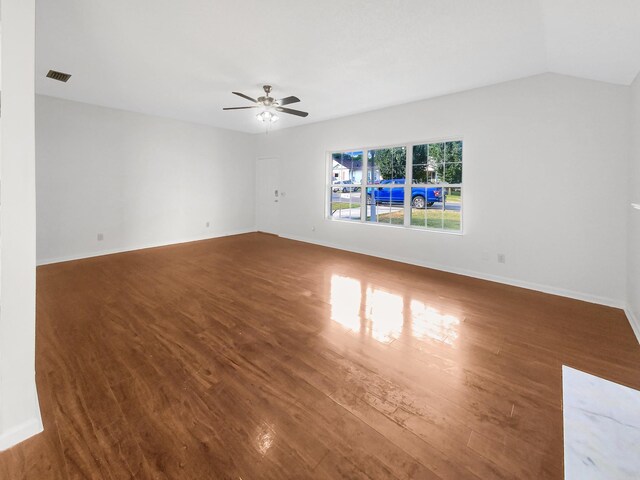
(257, 357)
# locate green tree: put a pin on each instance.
(421, 163)
(445, 159)
(392, 162)
(451, 169)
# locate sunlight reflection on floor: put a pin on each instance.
(265, 437)
(385, 316)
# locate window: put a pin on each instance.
(413, 185)
(437, 186)
(345, 189)
(387, 170)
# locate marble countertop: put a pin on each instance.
(601, 428)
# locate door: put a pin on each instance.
(267, 195)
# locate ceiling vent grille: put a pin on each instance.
(62, 77)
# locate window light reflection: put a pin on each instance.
(426, 322)
(385, 316)
(346, 296)
(384, 312)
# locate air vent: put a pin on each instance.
(62, 77)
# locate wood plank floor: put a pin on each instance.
(256, 357)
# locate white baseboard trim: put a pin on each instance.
(80, 256)
(609, 302)
(20, 433)
(634, 321)
(459, 271)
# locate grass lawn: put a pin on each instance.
(449, 220)
(453, 197)
(335, 206)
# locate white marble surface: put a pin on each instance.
(601, 428)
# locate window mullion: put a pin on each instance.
(408, 182)
(328, 191)
(364, 183)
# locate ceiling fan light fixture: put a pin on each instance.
(267, 117)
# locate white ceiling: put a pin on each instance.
(182, 59)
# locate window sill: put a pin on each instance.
(397, 227)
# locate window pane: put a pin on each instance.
(426, 205)
(428, 163)
(453, 152)
(436, 153)
(387, 165)
(347, 168)
(452, 211)
(437, 212)
(424, 168)
(452, 173)
(345, 205)
(385, 205)
(437, 163)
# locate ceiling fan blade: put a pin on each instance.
(292, 111)
(239, 108)
(245, 96)
(288, 100)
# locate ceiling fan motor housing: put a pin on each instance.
(267, 100)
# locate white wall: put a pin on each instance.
(19, 412)
(137, 179)
(544, 183)
(633, 280)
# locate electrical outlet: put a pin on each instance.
(502, 258)
(313, 229)
(100, 237)
(208, 224)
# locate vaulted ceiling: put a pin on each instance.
(182, 59)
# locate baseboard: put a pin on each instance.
(609, 302)
(459, 271)
(20, 433)
(100, 253)
(634, 321)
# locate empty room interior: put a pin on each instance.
(340, 239)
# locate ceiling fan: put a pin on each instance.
(269, 105)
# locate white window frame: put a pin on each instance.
(408, 184)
